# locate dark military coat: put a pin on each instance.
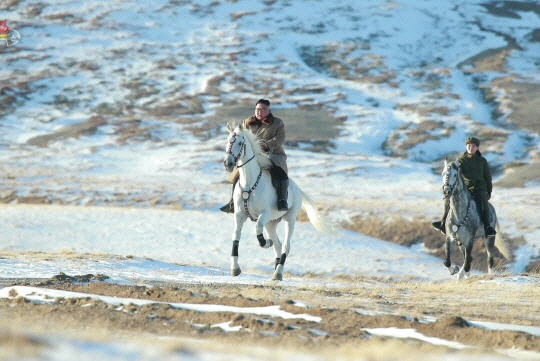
(476, 172)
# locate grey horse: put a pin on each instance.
(464, 224)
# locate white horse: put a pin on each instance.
(256, 198)
(464, 224)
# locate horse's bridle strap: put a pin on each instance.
(229, 150)
(247, 194)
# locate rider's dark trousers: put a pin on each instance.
(482, 197)
(278, 173)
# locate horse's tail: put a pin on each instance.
(322, 224)
(501, 244)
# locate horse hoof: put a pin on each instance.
(235, 271)
(264, 243)
(453, 269)
(277, 277)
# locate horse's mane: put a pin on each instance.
(262, 158)
(460, 177)
(459, 173)
(455, 166)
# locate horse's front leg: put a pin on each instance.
(466, 249)
(447, 262)
(259, 227)
(239, 220)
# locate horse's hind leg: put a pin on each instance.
(271, 229)
(285, 248)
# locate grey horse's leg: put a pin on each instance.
(465, 249)
(468, 256)
(490, 248)
(447, 261)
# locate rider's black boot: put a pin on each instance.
(440, 226)
(229, 207)
(490, 231)
(282, 195)
(486, 219)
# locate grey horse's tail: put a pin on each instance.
(319, 222)
(501, 244)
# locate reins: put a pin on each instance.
(249, 160)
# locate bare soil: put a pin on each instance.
(345, 311)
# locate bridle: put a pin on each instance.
(242, 150)
(245, 194)
(446, 183)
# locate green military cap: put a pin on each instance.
(472, 140)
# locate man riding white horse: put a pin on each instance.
(270, 131)
(477, 177)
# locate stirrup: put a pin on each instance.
(282, 206)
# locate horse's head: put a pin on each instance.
(450, 175)
(236, 145)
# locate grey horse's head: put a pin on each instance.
(235, 147)
(450, 176)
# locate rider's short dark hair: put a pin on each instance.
(263, 101)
